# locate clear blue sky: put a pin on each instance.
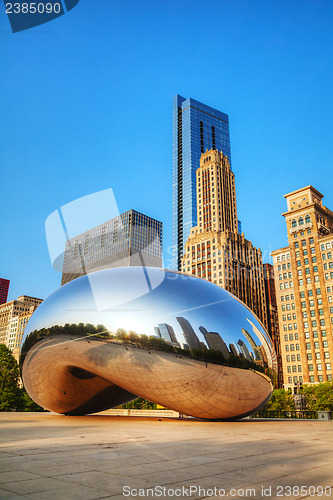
(86, 104)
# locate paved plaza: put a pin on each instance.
(48, 456)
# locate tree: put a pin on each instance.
(11, 395)
(9, 379)
(319, 397)
(139, 404)
(281, 400)
(25, 403)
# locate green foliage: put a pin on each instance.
(12, 397)
(140, 404)
(25, 403)
(319, 397)
(9, 379)
(281, 400)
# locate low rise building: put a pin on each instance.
(14, 316)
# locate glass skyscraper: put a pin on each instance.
(131, 239)
(196, 128)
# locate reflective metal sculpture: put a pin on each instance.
(177, 340)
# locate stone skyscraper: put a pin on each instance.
(215, 250)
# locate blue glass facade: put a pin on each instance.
(196, 128)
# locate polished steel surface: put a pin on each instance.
(180, 341)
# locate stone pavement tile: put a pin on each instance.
(104, 456)
(60, 470)
(18, 475)
(199, 460)
(273, 471)
(70, 492)
(322, 475)
(224, 481)
(149, 468)
(56, 455)
(104, 481)
(173, 476)
(28, 465)
(120, 497)
(32, 485)
(9, 494)
(6, 455)
(228, 465)
(279, 487)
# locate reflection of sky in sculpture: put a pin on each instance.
(128, 298)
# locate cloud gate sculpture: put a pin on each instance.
(111, 336)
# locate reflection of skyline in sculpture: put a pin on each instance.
(235, 350)
(215, 341)
(244, 350)
(256, 349)
(166, 332)
(189, 334)
(268, 355)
